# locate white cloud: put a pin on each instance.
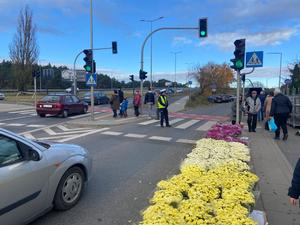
(225, 40)
(181, 41)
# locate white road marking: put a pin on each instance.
(84, 115)
(15, 124)
(35, 125)
(149, 122)
(160, 138)
(2, 124)
(33, 114)
(23, 111)
(26, 113)
(135, 135)
(16, 118)
(49, 131)
(55, 138)
(187, 124)
(171, 122)
(82, 135)
(63, 128)
(112, 133)
(29, 136)
(186, 141)
(206, 126)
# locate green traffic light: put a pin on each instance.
(202, 33)
(239, 64)
(88, 68)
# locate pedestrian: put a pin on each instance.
(157, 94)
(115, 103)
(267, 108)
(137, 102)
(233, 111)
(150, 101)
(294, 190)
(262, 98)
(124, 107)
(121, 95)
(281, 109)
(163, 107)
(252, 106)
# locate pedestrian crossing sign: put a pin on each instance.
(91, 80)
(254, 59)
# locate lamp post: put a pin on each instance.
(151, 22)
(175, 68)
(278, 53)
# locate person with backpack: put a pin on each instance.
(252, 106)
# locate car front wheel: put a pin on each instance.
(69, 189)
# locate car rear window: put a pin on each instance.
(51, 98)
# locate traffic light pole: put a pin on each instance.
(91, 42)
(145, 41)
(238, 73)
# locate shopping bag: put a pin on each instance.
(272, 125)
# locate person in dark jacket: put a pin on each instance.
(150, 101)
(294, 190)
(115, 103)
(280, 110)
(121, 95)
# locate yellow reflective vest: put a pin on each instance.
(162, 102)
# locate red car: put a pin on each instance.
(60, 104)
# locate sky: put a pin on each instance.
(63, 30)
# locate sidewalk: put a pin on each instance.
(108, 120)
(275, 173)
(7, 107)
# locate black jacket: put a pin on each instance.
(281, 104)
(121, 96)
(294, 190)
(149, 98)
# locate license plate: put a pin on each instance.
(47, 106)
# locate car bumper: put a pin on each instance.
(49, 111)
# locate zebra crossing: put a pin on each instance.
(31, 112)
(21, 125)
(183, 124)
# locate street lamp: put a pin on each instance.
(175, 69)
(278, 53)
(151, 21)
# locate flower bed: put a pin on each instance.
(214, 187)
(226, 132)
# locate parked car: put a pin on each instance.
(99, 98)
(37, 176)
(215, 99)
(61, 104)
(2, 96)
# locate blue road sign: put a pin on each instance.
(90, 79)
(255, 59)
(190, 82)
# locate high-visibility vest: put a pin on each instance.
(164, 100)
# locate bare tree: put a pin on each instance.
(24, 50)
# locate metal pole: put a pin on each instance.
(238, 97)
(151, 59)
(175, 71)
(34, 91)
(280, 69)
(41, 74)
(91, 42)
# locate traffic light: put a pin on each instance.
(143, 75)
(131, 77)
(94, 66)
(114, 47)
(239, 53)
(88, 60)
(203, 27)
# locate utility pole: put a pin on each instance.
(175, 70)
(91, 43)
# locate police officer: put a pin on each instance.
(163, 108)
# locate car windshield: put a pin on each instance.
(51, 98)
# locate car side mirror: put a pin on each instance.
(33, 155)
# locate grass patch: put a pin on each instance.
(196, 100)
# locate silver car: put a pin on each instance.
(37, 176)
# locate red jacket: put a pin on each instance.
(137, 100)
